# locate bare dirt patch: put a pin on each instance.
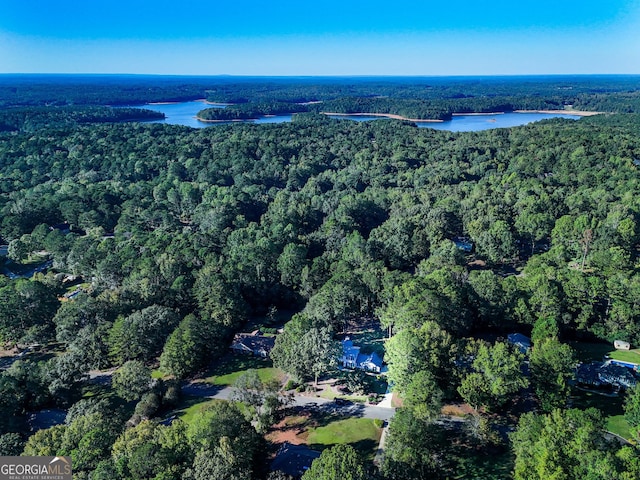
(457, 409)
(291, 429)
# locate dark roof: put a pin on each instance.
(521, 341)
(463, 244)
(598, 373)
(371, 357)
(294, 459)
(61, 226)
(253, 342)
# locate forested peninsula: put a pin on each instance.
(134, 254)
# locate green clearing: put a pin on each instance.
(360, 433)
(370, 340)
(330, 395)
(632, 356)
(190, 406)
(265, 374)
(229, 368)
(74, 286)
(612, 409)
(618, 425)
(591, 352)
(609, 406)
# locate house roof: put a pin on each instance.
(294, 459)
(598, 373)
(463, 244)
(519, 338)
(372, 358)
(246, 341)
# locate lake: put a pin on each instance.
(184, 113)
(475, 123)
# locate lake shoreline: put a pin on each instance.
(385, 115)
(578, 113)
(235, 120)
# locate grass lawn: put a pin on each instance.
(85, 286)
(330, 394)
(360, 433)
(591, 352)
(632, 356)
(611, 408)
(265, 374)
(190, 406)
(618, 425)
(227, 370)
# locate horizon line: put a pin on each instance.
(320, 75)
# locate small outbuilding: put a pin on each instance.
(622, 345)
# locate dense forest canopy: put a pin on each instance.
(180, 235)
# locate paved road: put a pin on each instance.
(201, 389)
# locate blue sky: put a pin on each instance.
(247, 37)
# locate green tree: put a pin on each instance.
(564, 444)
(473, 389)
(189, 346)
(341, 462)
(423, 396)
(132, 380)
(225, 420)
(222, 463)
(26, 310)
(552, 365)
(263, 397)
(141, 335)
(632, 410)
(149, 450)
(497, 375)
(427, 348)
(305, 351)
(414, 303)
(545, 328)
(11, 444)
(411, 448)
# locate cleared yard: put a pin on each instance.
(322, 431)
(632, 356)
(353, 431)
(618, 425)
(611, 408)
(229, 368)
(590, 352)
(190, 406)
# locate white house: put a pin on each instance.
(352, 358)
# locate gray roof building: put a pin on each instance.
(294, 460)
